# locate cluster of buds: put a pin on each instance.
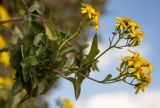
(138, 68)
(92, 14)
(131, 29)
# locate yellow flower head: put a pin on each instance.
(128, 26)
(139, 68)
(4, 56)
(88, 9)
(4, 16)
(92, 14)
(67, 103)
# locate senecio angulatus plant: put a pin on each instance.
(43, 55)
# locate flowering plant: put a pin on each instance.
(45, 53)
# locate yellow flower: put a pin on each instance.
(128, 26)
(120, 25)
(88, 9)
(139, 68)
(4, 56)
(4, 16)
(5, 81)
(67, 103)
(96, 15)
(139, 36)
(93, 15)
(141, 85)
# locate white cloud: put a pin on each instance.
(148, 99)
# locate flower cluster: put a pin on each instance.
(129, 27)
(4, 56)
(92, 14)
(137, 67)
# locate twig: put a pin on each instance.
(11, 20)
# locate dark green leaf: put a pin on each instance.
(76, 85)
(26, 65)
(94, 51)
(30, 29)
(16, 59)
(25, 70)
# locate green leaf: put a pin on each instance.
(31, 59)
(76, 85)
(38, 38)
(37, 6)
(16, 34)
(17, 86)
(40, 51)
(30, 29)
(25, 70)
(33, 81)
(50, 31)
(26, 65)
(16, 59)
(94, 51)
(108, 77)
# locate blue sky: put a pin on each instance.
(144, 12)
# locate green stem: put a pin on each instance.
(128, 83)
(110, 47)
(71, 37)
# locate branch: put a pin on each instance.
(3, 50)
(11, 20)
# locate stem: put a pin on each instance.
(11, 20)
(110, 47)
(75, 34)
(128, 83)
(3, 50)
